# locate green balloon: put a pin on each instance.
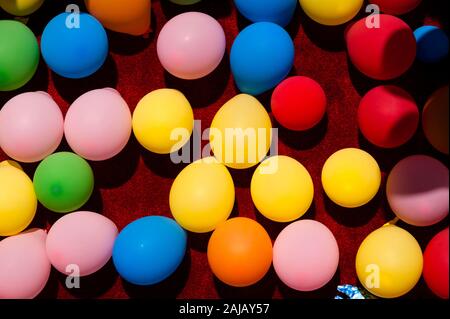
(63, 182)
(184, 2)
(19, 55)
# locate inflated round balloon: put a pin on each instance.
(417, 190)
(81, 239)
(282, 189)
(25, 269)
(390, 52)
(435, 264)
(435, 119)
(149, 250)
(17, 200)
(71, 50)
(31, 126)
(262, 55)
(351, 177)
(98, 124)
(20, 7)
(331, 12)
(185, 2)
(432, 44)
(132, 17)
(63, 182)
(389, 262)
(202, 196)
(19, 56)
(163, 121)
(240, 252)
(276, 11)
(201, 39)
(305, 255)
(388, 116)
(298, 103)
(396, 7)
(10, 163)
(241, 132)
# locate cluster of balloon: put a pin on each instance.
(201, 39)
(276, 11)
(255, 65)
(63, 182)
(149, 250)
(331, 12)
(240, 252)
(159, 116)
(98, 124)
(435, 264)
(390, 52)
(19, 56)
(397, 7)
(435, 119)
(389, 262)
(27, 269)
(351, 177)
(125, 17)
(417, 190)
(202, 195)
(240, 117)
(305, 255)
(74, 45)
(21, 7)
(282, 189)
(432, 44)
(85, 239)
(31, 126)
(388, 116)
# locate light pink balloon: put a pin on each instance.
(305, 255)
(31, 126)
(98, 124)
(24, 266)
(191, 45)
(82, 239)
(417, 190)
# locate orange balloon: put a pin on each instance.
(240, 252)
(132, 17)
(435, 119)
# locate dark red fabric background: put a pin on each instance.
(137, 183)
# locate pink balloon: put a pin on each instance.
(191, 45)
(98, 124)
(31, 126)
(305, 255)
(417, 190)
(82, 239)
(24, 266)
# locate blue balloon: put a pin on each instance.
(149, 250)
(432, 44)
(262, 55)
(276, 11)
(74, 48)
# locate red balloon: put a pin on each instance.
(298, 103)
(382, 53)
(396, 6)
(435, 264)
(388, 116)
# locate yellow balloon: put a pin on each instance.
(20, 7)
(389, 262)
(202, 195)
(17, 200)
(241, 132)
(10, 163)
(282, 189)
(163, 121)
(331, 12)
(351, 177)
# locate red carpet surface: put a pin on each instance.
(136, 183)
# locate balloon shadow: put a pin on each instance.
(214, 8)
(51, 288)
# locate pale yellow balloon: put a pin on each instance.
(163, 121)
(331, 12)
(282, 189)
(18, 201)
(241, 132)
(389, 262)
(202, 196)
(21, 7)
